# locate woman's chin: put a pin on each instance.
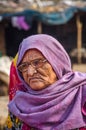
(37, 86)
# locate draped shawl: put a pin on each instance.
(60, 106)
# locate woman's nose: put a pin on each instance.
(31, 70)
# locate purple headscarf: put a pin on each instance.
(60, 106)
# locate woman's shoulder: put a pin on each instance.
(14, 123)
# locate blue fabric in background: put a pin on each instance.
(55, 18)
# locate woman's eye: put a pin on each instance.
(24, 65)
(36, 62)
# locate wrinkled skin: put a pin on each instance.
(40, 78)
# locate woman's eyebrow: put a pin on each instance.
(38, 58)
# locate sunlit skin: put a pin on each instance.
(40, 78)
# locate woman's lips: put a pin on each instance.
(35, 79)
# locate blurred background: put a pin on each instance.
(63, 19)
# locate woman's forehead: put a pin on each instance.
(32, 54)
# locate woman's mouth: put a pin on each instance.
(35, 79)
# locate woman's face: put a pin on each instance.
(42, 75)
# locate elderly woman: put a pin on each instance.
(52, 96)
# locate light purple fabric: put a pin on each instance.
(59, 106)
(22, 23)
